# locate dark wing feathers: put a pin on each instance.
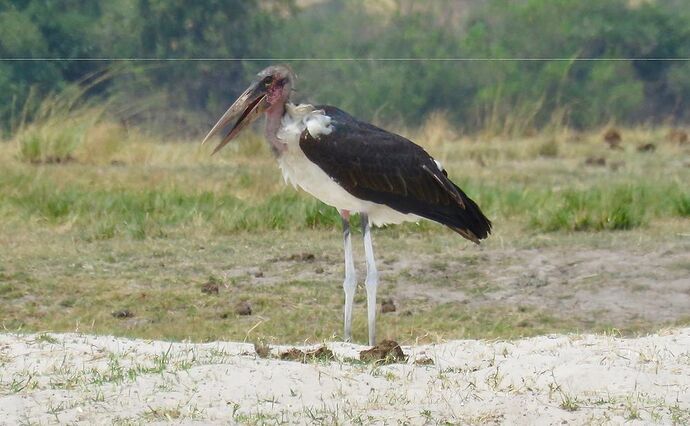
(446, 184)
(385, 168)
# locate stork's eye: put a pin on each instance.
(267, 80)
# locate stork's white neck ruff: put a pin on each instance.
(298, 118)
(284, 131)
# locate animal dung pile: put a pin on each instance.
(123, 313)
(322, 353)
(301, 257)
(647, 147)
(387, 305)
(210, 287)
(243, 308)
(595, 161)
(613, 138)
(386, 352)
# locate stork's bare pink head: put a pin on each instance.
(270, 89)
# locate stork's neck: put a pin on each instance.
(274, 116)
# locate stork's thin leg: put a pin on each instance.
(350, 283)
(372, 280)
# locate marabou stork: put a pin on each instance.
(355, 167)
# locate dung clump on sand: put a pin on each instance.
(386, 352)
(320, 354)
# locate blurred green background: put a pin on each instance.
(501, 95)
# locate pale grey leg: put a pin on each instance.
(372, 280)
(350, 283)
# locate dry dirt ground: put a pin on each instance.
(613, 283)
(621, 286)
(442, 288)
(553, 379)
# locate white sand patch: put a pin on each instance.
(70, 378)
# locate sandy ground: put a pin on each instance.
(573, 379)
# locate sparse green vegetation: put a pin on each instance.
(679, 416)
(569, 403)
(152, 381)
(598, 209)
(103, 213)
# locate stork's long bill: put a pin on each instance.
(247, 108)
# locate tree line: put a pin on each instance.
(508, 81)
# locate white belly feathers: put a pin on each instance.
(301, 172)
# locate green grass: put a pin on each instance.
(153, 213)
(55, 144)
(609, 208)
(682, 205)
(103, 213)
(131, 223)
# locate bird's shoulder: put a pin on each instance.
(359, 137)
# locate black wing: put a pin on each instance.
(385, 168)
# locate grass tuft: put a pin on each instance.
(50, 143)
(682, 205)
(549, 149)
(58, 125)
(597, 209)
